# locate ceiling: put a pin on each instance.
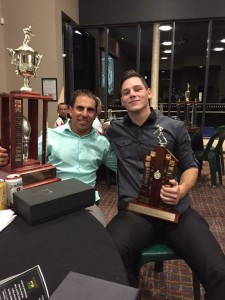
(190, 39)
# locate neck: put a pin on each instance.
(139, 117)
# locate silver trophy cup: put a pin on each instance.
(26, 60)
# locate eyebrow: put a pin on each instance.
(133, 87)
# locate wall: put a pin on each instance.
(132, 11)
(45, 19)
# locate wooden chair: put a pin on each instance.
(213, 154)
(158, 253)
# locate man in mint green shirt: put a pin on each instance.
(76, 149)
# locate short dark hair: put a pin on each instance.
(62, 103)
(131, 73)
(83, 92)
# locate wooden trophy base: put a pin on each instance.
(33, 174)
(153, 211)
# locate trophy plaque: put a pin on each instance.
(19, 135)
(160, 166)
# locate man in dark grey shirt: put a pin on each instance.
(132, 138)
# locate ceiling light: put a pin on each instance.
(164, 57)
(165, 27)
(218, 49)
(167, 43)
(167, 51)
(223, 41)
(78, 32)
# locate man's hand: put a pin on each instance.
(171, 194)
(4, 157)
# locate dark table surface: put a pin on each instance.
(75, 242)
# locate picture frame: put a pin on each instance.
(49, 87)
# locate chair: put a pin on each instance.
(213, 155)
(157, 253)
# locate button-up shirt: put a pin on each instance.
(77, 156)
(132, 143)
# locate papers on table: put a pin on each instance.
(6, 217)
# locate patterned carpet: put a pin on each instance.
(176, 280)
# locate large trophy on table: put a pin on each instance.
(19, 135)
(160, 166)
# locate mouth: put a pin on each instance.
(83, 122)
(134, 101)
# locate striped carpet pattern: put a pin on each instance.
(176, 280)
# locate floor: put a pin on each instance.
(176, 281)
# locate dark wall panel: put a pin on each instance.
(132, 11)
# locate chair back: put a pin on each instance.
(221, 131)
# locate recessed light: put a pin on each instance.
(164, 57)
(167, 43)
(165, 27)
(167, 51)
(78, 32)
(223, 41)
(218, 49)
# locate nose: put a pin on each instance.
(84, 113)
(132, 93)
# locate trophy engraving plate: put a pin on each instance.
(160, 165)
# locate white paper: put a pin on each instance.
(6, 217)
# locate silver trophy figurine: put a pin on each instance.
(187, 93)
(26, 60)
(26, 138)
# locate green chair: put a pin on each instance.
(213, 154)
(158, 253)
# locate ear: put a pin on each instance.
(121, 100)
(99, 109)
(70, 111)
(149, 93)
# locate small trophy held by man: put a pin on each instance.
(160, 166)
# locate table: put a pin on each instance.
(75, 242)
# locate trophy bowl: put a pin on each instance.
(26, 60)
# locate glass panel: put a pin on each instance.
(123, 48)
(216, 89)
(164, 63)
(146, 52)
(190, 51)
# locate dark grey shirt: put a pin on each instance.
(131, 144)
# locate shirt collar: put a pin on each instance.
(151, 118)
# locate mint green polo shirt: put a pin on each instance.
(77, 156)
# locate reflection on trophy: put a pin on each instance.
(26, 60)
(159, 167)
(26, 129)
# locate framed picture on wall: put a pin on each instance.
(49, 87)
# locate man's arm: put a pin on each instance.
(172, 195)
(4, 157)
